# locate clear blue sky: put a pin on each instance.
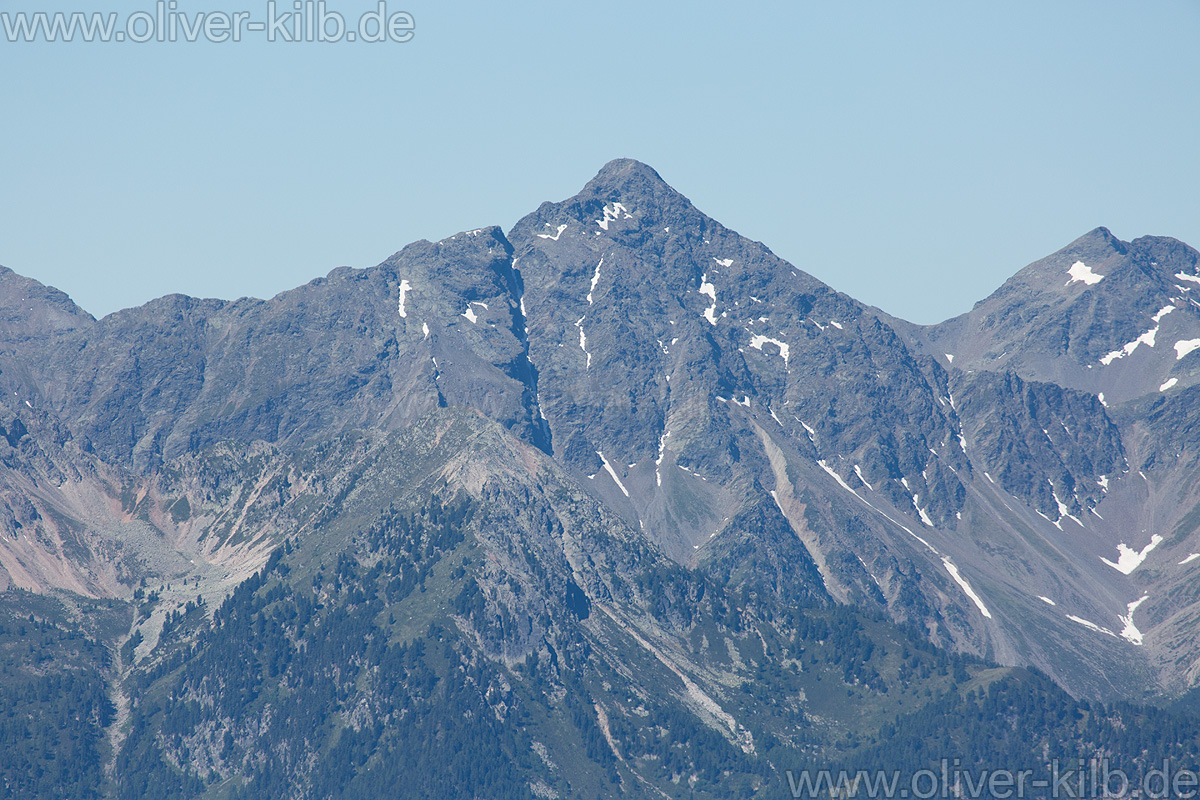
(911, 154)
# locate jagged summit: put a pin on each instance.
(618, 504)
(1087, 261)
(1098, 254)
(727, 406)
(1097, 240)
(1098, 250)
(1101, 315)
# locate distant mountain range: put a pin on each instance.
(618, 501)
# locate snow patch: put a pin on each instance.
(966, 587)
(583, 342)
(870, 505)
(757, 343)
(1087, 623)
(1047, 600)
(1189, 559)
(1146, 338)
(1130, 559)
(1184, 347)
(470, 312)
(662, 449)
(553, 236)
(1169, 384)
(1055, 522)
(1063, 511)
(1101, 398)
(858, 472)
(920, 511)
(724, 262)
(405, 288)
(612, 213)
(1080, 271)
(709, 289)
(595, 280)
(608, 468)
(836, 477)
(1130, 631)
(949, 357)
(1183, 276)
(425, 329)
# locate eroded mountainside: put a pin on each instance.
(649, 508)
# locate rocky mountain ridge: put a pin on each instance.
(685, 376)
(624, 392)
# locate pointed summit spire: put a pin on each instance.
(626, 180)
(626, 172)
(1098, 242)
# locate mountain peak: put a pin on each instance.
(1097, 241)
(1087, 317)
(621, 167)
(29, 305)
(625, 179)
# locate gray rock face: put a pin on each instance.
(655, 329)
(177, 374)
(1050, 446)
(1100, 315)
(696, 395)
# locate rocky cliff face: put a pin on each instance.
(1100, 315)
(1012, 482)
